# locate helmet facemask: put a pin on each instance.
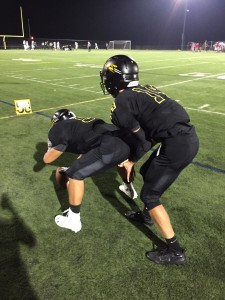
(109, 84)
(102, 84)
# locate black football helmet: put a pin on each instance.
(119, 72)
(62, 114)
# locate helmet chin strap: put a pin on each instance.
(133, 83)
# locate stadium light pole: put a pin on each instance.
(186, 10)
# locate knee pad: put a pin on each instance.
(77, 176)
(150, 198)
(151, 203)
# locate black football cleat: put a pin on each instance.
(139, 216)
(166, 256)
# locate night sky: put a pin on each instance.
(144, 22)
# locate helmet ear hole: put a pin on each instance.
(119, 72)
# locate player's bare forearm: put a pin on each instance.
(51, 155)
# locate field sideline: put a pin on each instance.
(106, 260)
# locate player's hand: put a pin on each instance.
(128, 165)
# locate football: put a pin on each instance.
(61, 177)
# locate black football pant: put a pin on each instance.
(108, 154)
(164, 166)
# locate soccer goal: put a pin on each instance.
(119, 45)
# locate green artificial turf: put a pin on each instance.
(106, 259)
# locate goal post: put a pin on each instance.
(120, 44)
(4, 36)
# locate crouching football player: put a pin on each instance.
(99, 147)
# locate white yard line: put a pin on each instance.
(180, 58)
(52, 84)
(54, 108)
(177, 66)
(40, 69)
(71, 84)
(99, 99)
(189, 80)
(140, 62)
(72, 104)
(71, 87)
(206, 111)
(75, 77)
(109, 97)
(203, 106)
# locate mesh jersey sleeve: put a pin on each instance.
(58, 139)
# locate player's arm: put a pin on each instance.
(56, 147)
(122, 118)
(143, 145)
(51, 155)
(140, 145)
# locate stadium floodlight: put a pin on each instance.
(186, 10)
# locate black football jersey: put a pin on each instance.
(75, 135)
(148, 108)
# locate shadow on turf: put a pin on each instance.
(41, 148)
(110, 176)
(14, 280)
(61, 193)
(110, 196)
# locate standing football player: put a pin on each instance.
(89, 46)
(152, 117)
(99, 149)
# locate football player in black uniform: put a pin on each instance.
(152, 117)
(99, 147)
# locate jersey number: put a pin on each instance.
(152, 91)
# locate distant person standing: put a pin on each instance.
(197, 47)
(24, 45)
(4, 43)
(106, 46)
(96, 46)
(46, 45)
(27, 45)
(205, 46)
(89, 46)
(76, 46)
(33, 45)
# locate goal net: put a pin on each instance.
(119, 45)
